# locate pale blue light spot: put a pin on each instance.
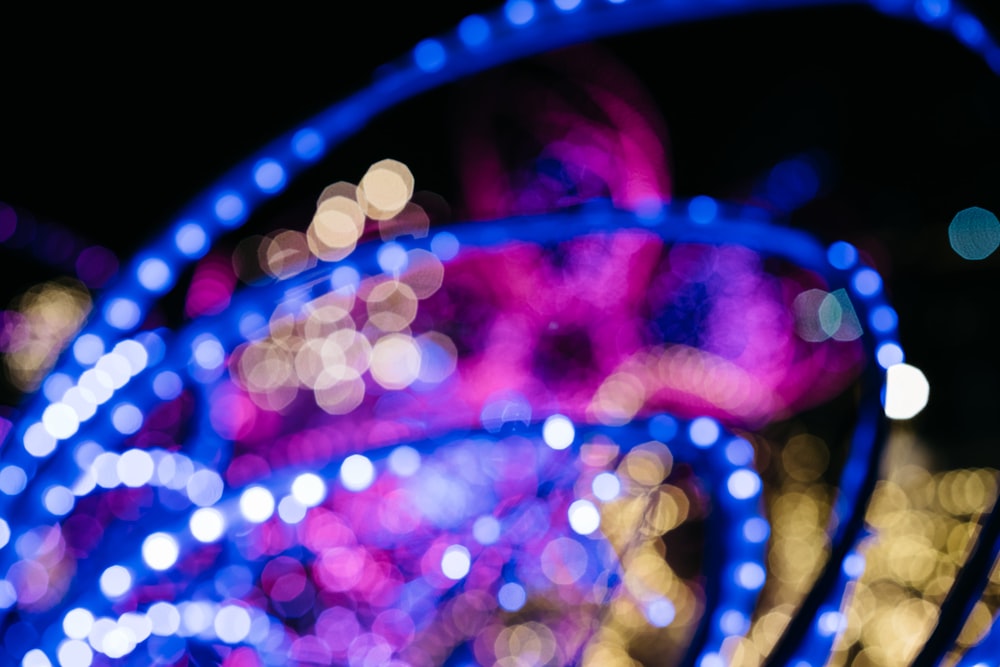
(661, 612)
(932, 10)
(167, 385)
(473, 30)
(191, 240)
(743, 484)
(126, 418)
(88, 348)
(867, 282)
(853, 565)
(750, 576)
(889, 354)
(229, 209)
(308, 144)
(974, 233)
(208, 352)
(154, 274)
(703, 209)
(733, 622)
(429, 55)
(704, 431)
(486, 529)
(13, 479)
(519, 12)
(606, 486)
(392, 258)
(842, 255)
(55, 386)
(345, 279)
(512, 596)
(739, 452)
(122, 313)
(269, 176)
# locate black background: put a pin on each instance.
(110, 123)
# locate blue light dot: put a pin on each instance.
(974, 233)
(308, 144)
(392, 258)
(512, 596)
(253, 325)
(154, 274)
(167, 385)
(126, 418)
(191, 240)
(867, 282)
(519, 12)
(853, 565)
(889, 354)
(703, 209)
(429, 55)
(56, 385)
(269, 176)
(606, 486)
(733, 622)
(473, 30)
(830, 623)
(229, 209)
(750, 576)
(743, 484)
(968, 29)
(88, 348)
(486, 529)
(883, 319)
(661, 612)
(445, 245)
(208, 352)
(122, 313)
(663, 428)
(345, 279)
(704, 431)
(739, 452)
(792, 183)
(932, 10)
(404, 461)
(566, 5)
(842, 255)
(13, 479)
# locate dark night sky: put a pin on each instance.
(110, 130)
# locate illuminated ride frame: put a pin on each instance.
(40, 470)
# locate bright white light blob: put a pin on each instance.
(74, 653)
(164, 617)
(661, 612)
(4, 533)
(906, 391)
(558, 432)
(606, 486)
(584, 518)
(257, 504)
(704, 431)
(512, 596)
(58, 500)
(191, 239)
(456, 562)
(35, 658)
(743, 484)
(138, 624)
(60, 420)
(207, 524)
(160, 551)
(77, 623)
(830, 623)
(88, 348)
(734, 622)
(135, 467)
(232, 624)
(853, 565)
(154, 274)
(357, 473)
(750, 576)
(309, 489)
(204, 487)
(38, 441)
(115, 582)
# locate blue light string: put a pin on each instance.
(735, 596)
(231, 201)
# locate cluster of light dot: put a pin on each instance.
(229, 205)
